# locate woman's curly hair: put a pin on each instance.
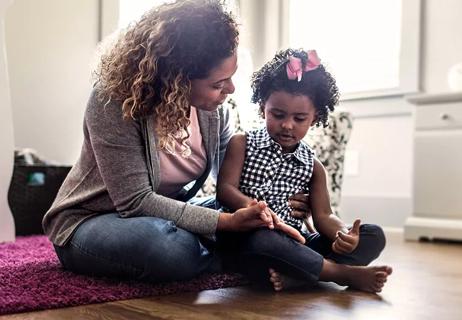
(317, 84)
(150, 66)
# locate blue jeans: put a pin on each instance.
(155, 250)
(139, 248)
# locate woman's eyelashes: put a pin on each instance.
(218, 86)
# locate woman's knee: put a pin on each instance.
(179, 256)
(144, 248)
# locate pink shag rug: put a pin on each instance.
(31, 278)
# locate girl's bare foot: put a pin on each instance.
(281, 281)
(369, 279)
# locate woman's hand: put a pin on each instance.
(346, 242)
(256, 215)
(253, 216)
(300, 204)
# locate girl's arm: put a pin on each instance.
(228, 193)
(324, 220)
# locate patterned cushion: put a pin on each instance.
(329, 144)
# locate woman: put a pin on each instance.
(152, 134)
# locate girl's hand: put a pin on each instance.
(346, 242)
(290, 231)
(300, 204)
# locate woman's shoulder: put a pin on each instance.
(106, 113)
(100, 105)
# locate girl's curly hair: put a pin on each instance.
(318, 84)
(150, 66)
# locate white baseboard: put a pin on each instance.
(389, 212)
(433, 228)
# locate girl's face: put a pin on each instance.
(288, 117)
(207, 94)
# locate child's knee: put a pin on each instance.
(267, 242)
(375, 236)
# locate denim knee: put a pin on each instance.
(142, 248)
(179, 256)
(267, 242)
(376, 236)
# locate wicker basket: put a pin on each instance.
(32, 190)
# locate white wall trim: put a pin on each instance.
(386, 211)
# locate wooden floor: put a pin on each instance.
(426, 284)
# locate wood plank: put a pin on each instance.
(426, 284)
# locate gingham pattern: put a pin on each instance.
(272, 176)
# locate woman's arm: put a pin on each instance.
(228, 193)
(324, 220)
(119, 150)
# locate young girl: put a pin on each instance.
(295, 92)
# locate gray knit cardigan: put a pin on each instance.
(118, 171)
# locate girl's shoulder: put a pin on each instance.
(255, 134)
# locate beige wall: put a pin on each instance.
(6, 136)
(50, 46)
(442, 42)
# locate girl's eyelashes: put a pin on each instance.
(278, 115)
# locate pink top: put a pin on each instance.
(177, 171)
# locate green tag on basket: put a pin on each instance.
(36, 179)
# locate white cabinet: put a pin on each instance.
(437, 175)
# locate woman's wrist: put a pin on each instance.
(225, 222)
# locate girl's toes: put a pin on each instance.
(277, 286)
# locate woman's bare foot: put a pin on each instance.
(369, 279)
(281, 281)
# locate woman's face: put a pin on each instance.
(208, 93)
(288, 117)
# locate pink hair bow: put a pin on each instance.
(294, 67)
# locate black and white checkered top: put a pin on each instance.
(273, 176)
